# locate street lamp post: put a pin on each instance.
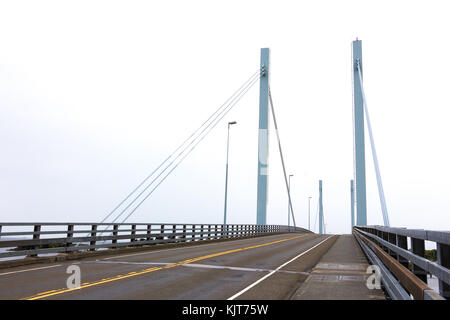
(289, 206)
(226, 175)
(309, 213)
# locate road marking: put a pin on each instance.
(19, 271)
(204, 266)
(271, 273)
(132, 262)
(145, 271)
(212, 266)
(179, 248)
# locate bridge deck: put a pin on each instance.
(340, 274)
(269, 267)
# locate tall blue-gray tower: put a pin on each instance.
(263, 139)
(320, 208)
(358, 137)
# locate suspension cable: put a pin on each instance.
(257, 73)
(374, 154)
(213, 124)
(317, 214)
(193, 147)
(281, 156)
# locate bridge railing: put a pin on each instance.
(406, 248)
(33, 239)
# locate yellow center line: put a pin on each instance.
(148, 270)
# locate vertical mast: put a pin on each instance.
(263, 139)
(358, 136)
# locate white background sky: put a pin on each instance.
(95, 94)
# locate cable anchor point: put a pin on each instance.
(263, 71)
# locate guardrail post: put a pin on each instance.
(93, 235)
(115, 233)
(418, 248)
(402, 242)
(0, 231)
(209, 232)
(69, 234)
(174, 231)
(392, 239)
(133, 233)
(149, 232)
(36, 235)
(184, 233)
(215, 231)
(379, 234)
(193, 232)
(384, 236)
(443, 255)
(201, 232)
(162, 232)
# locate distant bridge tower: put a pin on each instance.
(358, 137)
(320, 208)
(263, 139)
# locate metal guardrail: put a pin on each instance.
(45, 238)
(406, 250)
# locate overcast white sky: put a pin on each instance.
(95, 94)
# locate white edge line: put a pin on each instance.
(269, 274)
(19, 271)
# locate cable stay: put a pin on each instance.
(281, 156)
(317, 214)
(192, 141)
(374, 154)
(192, 148)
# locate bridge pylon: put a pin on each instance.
(263, 139)
(320, 208)
(359, 159)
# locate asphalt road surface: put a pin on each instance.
(269, 267)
